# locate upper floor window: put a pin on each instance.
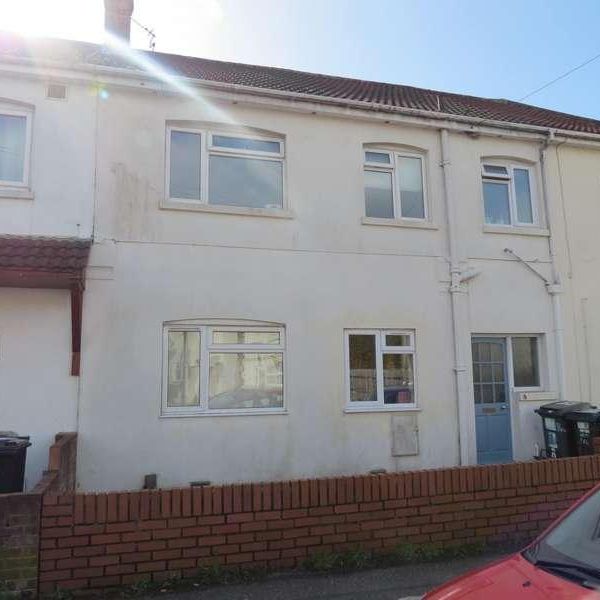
(225, 169)
(508, 195)
(221, 369)
(394, 185)
(15, 134)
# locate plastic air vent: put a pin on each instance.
(56, 91)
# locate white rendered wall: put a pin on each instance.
(38, 396)
(62, 161)
(318, 273)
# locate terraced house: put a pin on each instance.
(224, 272)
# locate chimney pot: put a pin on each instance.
(117, 18)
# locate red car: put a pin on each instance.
(563, 563)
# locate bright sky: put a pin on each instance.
(502, 49)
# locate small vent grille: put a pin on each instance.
(56, 91)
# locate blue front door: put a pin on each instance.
(492, 405)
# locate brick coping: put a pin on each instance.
(121, 506)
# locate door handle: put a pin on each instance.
(503, 407)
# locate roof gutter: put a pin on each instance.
(140, 77)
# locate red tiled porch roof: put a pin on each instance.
(44, 254)
(50, 263)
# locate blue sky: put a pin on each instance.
(501, 49)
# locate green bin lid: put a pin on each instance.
(9, 440)
(561, 408)
(588, 414)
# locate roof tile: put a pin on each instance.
(74, 53)
(48, 254)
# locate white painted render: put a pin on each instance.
(318, 271)
(38, 397)
(62, 161)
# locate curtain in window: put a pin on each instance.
(12, 147)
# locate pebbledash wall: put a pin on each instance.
(99, 540)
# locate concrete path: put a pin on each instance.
(378, 584)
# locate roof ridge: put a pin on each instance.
(365, 81)
(102, 47)
(293, 81)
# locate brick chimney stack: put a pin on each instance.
(117, 18)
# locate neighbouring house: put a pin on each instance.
(291, 274)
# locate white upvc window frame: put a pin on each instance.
(510, 359)
(14, 111)
(510, 367)
(381, 348)
(206, 348)
(512, 194)
(393, 169)
(207, 148)
(213, 149)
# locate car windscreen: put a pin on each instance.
(575, 539)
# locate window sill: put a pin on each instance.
(411, 224)
(382, 409)
(225, 413)
(276, 213)
(516, 230)
(16, 193)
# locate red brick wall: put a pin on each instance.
(97, 540)
(20, 517)
(62, 464)
(19, 539)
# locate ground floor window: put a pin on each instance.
(525, 359)
(380, 367)
(221, 369)
(513, 361)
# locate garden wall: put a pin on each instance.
(109, 539)
(20, 518)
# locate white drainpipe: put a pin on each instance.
(460, 320)
(459, 308)
(554, 287)
(554, 290)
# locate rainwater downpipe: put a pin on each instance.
(466, 420)
(554, 287)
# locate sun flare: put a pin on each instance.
(73, 19)
(191, 27)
